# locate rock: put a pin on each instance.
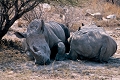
(97, 15)
(112, 16)
(46, 7)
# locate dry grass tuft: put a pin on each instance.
(104, 7)
(111, 9)
(10, 52)
(6, 44)
(111, 23)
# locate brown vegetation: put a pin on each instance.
(14, 64)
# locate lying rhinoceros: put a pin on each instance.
(44, 41)
(93, 43)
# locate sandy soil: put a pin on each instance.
(14, 64)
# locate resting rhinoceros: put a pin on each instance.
(44, 41)
(93, 43)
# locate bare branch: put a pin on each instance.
(11, 10)
(24, 3)
(36, 13)
(16, 7)
(28, 8)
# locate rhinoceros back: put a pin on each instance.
(92, 43)
(57, 30)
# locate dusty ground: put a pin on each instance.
(14, 64)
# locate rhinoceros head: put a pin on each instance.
(36, 42)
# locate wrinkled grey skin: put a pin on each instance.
(93, 43)
(40, 38)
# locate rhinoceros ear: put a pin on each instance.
(79, 28)
(42, 26)
(20, 35)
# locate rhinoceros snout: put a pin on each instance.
(43, 63)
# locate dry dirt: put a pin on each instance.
(14, 64)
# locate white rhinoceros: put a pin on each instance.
(44, 41)
(93, 43)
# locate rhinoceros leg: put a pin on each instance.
(72, 55)
(61, 52)
(102, 53)
(67, 35)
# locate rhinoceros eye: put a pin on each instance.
(35, 49)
